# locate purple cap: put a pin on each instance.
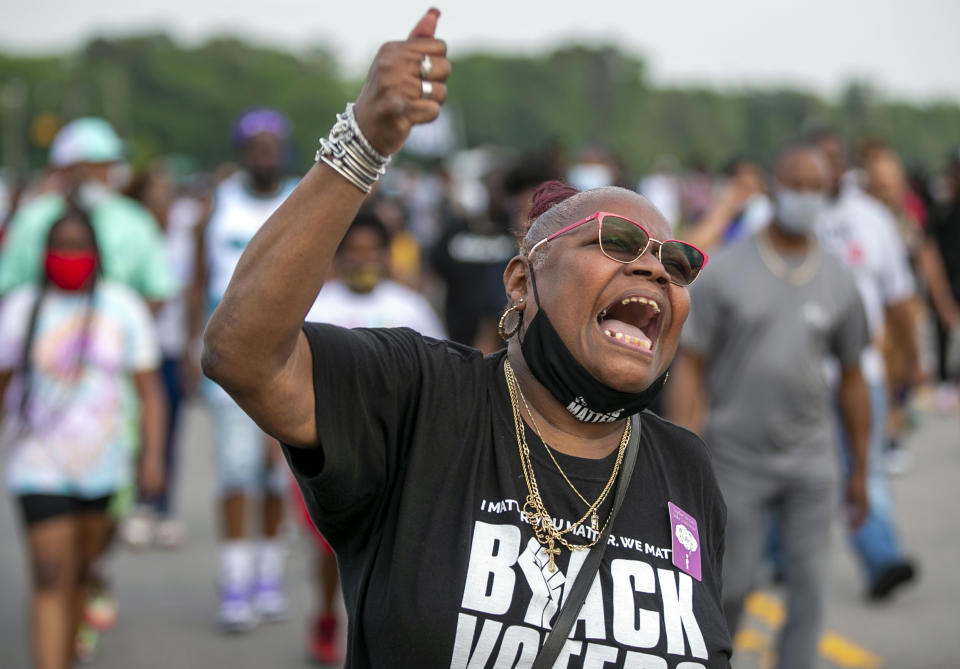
(257, 120)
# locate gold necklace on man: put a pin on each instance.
(540, 519)
(780, 268)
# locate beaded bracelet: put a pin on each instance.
(349, 153)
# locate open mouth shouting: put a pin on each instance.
(632, 321)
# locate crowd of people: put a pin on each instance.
(832, 294)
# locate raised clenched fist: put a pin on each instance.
(393, 97)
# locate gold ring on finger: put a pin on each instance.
(426, 89)
(426, 66)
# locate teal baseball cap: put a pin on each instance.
(86, 140)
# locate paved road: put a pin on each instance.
(167, 598)
(919, 628)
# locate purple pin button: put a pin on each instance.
(686, 541)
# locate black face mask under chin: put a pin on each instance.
(588, 399)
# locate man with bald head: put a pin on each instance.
(751, 380)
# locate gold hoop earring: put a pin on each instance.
(501, 326)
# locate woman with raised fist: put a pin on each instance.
(497, 511)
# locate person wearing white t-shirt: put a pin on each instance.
(154, 520)
(863, 236)
(359, 296)
(249, 465)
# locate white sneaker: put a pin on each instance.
(946, 399)
(899, 461)
(270, 602)
(236, 613)
(137, 530)
(169, 533)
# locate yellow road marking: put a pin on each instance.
(765, 608)
(845, 653)
(758, 642)
(751, 639)
(769, 611)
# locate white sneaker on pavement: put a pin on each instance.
(270, 602)
(169, 533)
(236, 613)
(137, 530)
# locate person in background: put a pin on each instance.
(87, 156)
(70, 347)
(740, 208)
(662, 188)
(87, 160)
(361, 295)
(248, 463)
(427, 199)
(521, 180)
(406, 266)
(178, 215)
(11, 195)
(696, 190)
(750, 379)
(862, 235)
(595, 166)
(939, 258)
(470, 258)
(885, 181)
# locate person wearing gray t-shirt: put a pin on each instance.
(751, 379)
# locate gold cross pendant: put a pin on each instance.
(551, 551)
(594, 521)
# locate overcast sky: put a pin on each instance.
(908, 48)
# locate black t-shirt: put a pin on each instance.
(944, 228)
(417, 485)
(471, 262)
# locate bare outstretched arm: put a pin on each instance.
(253, 344)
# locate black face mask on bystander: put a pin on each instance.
(587, 398)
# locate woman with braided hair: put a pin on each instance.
(495, 511)
(76, 352)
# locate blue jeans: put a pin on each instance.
(875, 542)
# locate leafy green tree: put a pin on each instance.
(166, 98)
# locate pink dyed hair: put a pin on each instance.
(547, 195)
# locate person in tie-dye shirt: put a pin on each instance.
(71, 347)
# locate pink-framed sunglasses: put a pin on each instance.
(624, 240)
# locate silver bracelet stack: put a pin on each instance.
(348, 152)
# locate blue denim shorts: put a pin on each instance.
(241, 454)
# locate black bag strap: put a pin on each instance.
(581, 586)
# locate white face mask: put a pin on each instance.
(92, 193)
(797, 211)
(585, 176)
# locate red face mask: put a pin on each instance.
(70, 270)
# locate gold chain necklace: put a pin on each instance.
(591, 508)
(779, 267)
(544, 529)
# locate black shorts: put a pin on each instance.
(37, 508)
